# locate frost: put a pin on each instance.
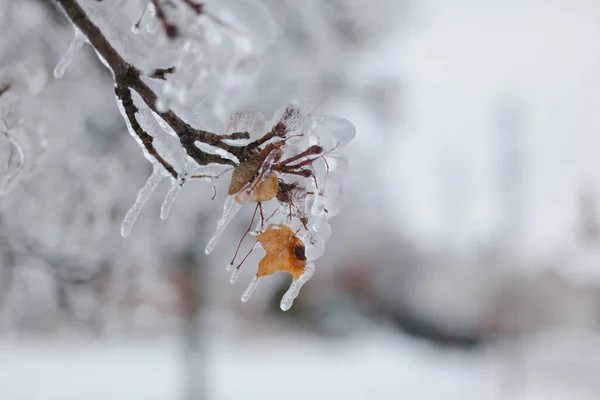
(142, 197)
(288, 298)
(230, 209)
(76, 45)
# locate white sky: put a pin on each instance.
(458, 60)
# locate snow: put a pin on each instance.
(375, 366)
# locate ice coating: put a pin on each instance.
(234, 275)
(295, 116)
(142, 197)
(251, 122)
(230, 209)
(288, 298)
(248, 20)
(76, 45)
(333, 132)
(165, 208)
(315, 241)
(248, 292)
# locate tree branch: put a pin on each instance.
(124, 95)
(129, 77)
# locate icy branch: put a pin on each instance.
(128, 77)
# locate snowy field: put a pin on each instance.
(373, 367)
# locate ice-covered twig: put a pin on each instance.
(129, 77)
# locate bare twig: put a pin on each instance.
(161, 73)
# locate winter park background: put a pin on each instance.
(465, 263)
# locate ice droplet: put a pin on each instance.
(250, 289)
(230, 209)
(234, 275)
(229, 267)
(289, 296)
(76, 44)
(165, 208)
(142, 197)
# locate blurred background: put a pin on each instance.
(466, 263)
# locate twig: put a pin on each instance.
(129, 77)
(161, 73)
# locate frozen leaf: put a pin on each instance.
(285, 252)
(264, 190)
(246, 171)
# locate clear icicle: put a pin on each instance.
(292, 293)
(234, 275)
(141, 199)
(74, 47)
(165, 208)
(230, 209)
(250, 289)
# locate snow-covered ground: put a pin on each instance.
(376, 366)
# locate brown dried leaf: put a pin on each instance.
(285, 252)
(248, 170)
(264, 191)
(244, 173)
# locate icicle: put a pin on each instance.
(250, 289)
(229, 267)
(141, 199)
(234, 275)
(76, 45)
(292, 293)
(165, 208)
(230, 209)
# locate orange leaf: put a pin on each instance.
(285, 252)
